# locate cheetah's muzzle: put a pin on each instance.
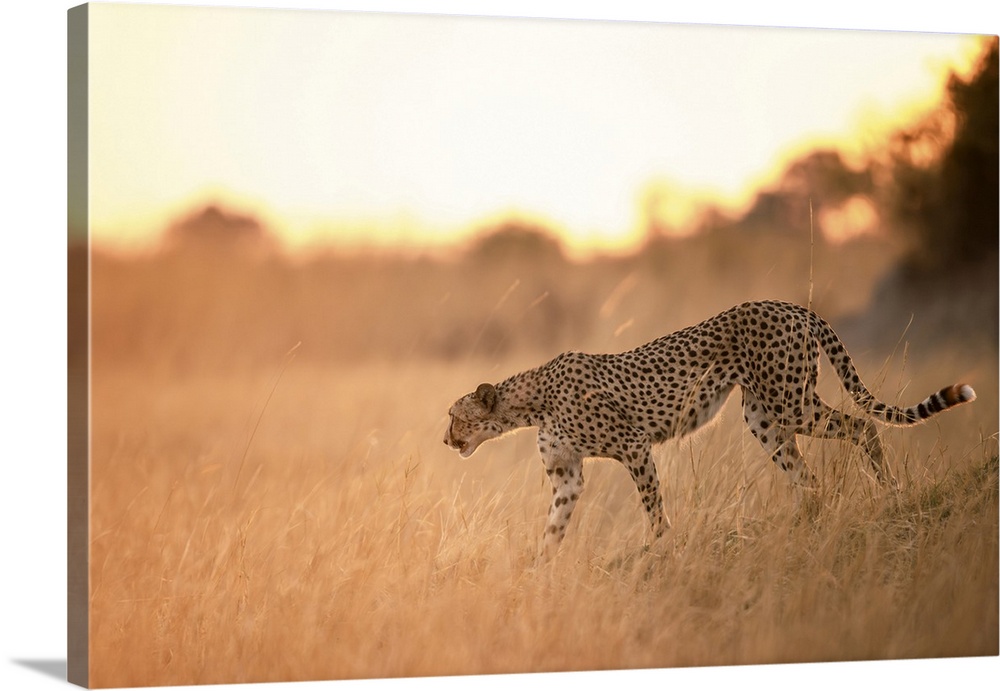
(457, 445)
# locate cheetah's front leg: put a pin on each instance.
(638, 458)
(565, 471)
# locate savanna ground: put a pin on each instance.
(260, 515)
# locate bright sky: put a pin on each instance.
(413, 129)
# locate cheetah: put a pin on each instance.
(618, 405)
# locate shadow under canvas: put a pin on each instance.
(48, 667)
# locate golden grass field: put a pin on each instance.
(263, 516)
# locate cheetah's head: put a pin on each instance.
(473, 420)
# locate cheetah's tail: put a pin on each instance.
(948, 397)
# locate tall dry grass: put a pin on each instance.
(291, 518)
(348, 542)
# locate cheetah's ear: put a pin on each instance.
(486, 394)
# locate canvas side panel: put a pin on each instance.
(78, 351)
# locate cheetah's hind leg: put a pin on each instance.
(830, 423)
(778, 441)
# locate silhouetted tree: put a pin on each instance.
(819, 179)
(517, 240)
(825, 177)
(219, 230)
(949, 203)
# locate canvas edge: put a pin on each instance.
(78, 350)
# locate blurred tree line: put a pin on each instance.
(949, 205)
(221, 291)
(943, 198)
(934, 184)
(932, 190)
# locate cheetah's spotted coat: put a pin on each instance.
(617, 406)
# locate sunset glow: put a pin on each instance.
(354, 129)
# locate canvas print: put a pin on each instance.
(408, 345)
